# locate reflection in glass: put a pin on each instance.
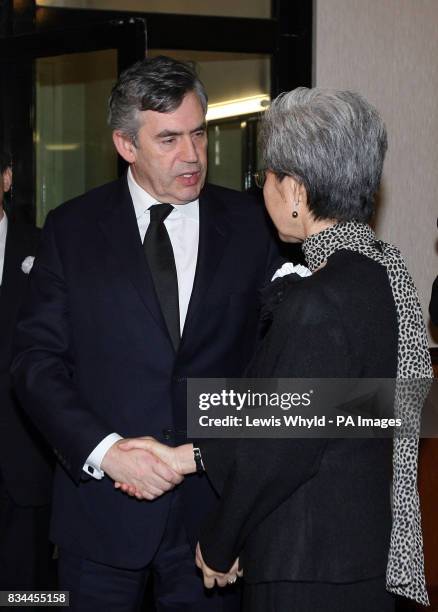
(225, 154)
(74, 151)
(233, 152)
(227, 76)
(229, 8)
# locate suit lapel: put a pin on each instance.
(18, 246)
(214, 233)
(120, 228)
(15, 252)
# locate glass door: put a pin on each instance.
(54, 118)
(73, 146)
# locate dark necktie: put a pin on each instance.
(159, 254)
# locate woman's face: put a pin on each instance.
(282, 198)
(5, 183)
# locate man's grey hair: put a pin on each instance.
(157, 84)
(331, 142)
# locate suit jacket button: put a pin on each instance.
(167, 433)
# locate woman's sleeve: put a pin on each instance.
(262, 474)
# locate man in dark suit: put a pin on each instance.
(138, 285)
(25, 470)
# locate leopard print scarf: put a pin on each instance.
(405, 570)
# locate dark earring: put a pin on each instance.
(295, 212)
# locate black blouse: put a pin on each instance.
(310, 509)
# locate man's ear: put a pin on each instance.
(7, 179)
(124, 146)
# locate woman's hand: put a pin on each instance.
(211, 577)
(180, 459)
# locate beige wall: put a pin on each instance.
(388, 50)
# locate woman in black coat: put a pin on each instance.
(309, 521)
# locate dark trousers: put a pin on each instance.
(365, 596)
(25, 550)
(177, 584)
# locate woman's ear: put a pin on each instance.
(302, 194)
(295, 193)
(288, 188)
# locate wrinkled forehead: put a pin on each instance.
(187, 117)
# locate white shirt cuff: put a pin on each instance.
(94, 460)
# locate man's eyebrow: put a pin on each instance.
(201, 127)
(169, 133)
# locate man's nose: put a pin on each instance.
(189, 152)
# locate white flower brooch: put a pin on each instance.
(290, 268)
(27, 264)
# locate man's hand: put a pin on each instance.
(180, 459)
(211, 576)
(143, 472)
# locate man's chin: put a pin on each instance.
(184, 199)
(189, 193)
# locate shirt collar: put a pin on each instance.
(3, 227)
(142, 201)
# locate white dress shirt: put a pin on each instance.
(182, 225)
(3, 232)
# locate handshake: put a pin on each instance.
(146, 469)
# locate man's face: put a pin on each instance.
(170, 160)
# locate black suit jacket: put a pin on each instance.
(94, 355)
(25, 460)
(311, 509)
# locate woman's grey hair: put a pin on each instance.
(157, 84)
(333, 143)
